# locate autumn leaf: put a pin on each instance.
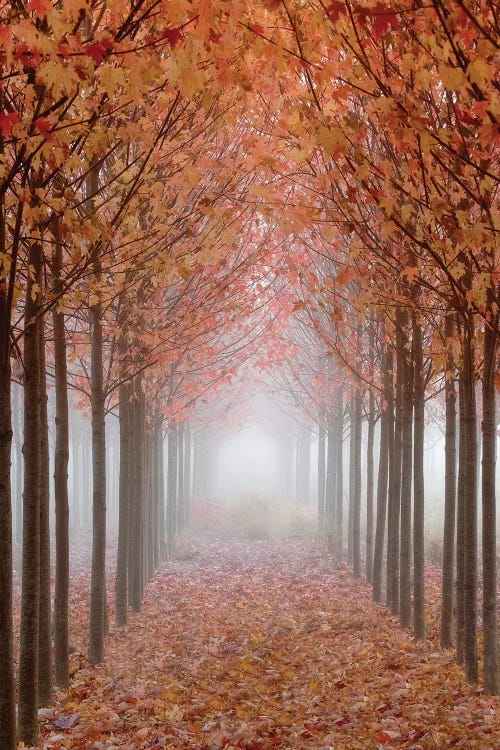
(7, 121)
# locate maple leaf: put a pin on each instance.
(98, 51)
(335, 10)
(173, 36)
(44, 126)
(257, 29)
(7, 121)
(383, 19)
(39, 7)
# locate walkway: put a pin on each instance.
(262, 645)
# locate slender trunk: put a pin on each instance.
(155, 490)
(321, 475)
(339, 473)
(489, 514)
(45, 673)
(136, 499)
(395, 459)
(180, 476)
(97, 585)
(28, 653)
(450, 491)
(352, 490)
(121, 582)
(369, 486)
(406, 485)
(462, 452)
(470, 507)
(144, 497)
(7, 694)
(18, 452)
(356, 518)
(418, 486)
(172, 487)
(61, 605)
(187, 477)
(382, 484)
(331, 471)
(161, 494)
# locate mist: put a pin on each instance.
(248, 464)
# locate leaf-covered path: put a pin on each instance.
(262, 645)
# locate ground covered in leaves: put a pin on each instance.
(258, 645)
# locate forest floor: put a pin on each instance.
(258, 645)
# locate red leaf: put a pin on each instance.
(44, 126)
(335, 10)
(173, 36)
(98, 51)
(383, 19)
(39, 7)
(7, 121)
(257, 29)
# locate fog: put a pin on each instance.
(248, 464)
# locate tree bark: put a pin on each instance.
(187, 477)
(369, 486)
(45, 671)
(406, 485)
(61, 458)
(356, 519)
(460, 587)
(172, 487)
(450, 491)
(30, 601)
(470, 505)
(395, 458)
(97, 585)
(7, 694)
(121, 582)
(418, 485)
(489, 513)
(331, 472)
(180, 476)
(339, 473)
(382, 483)
(161, 493)
(321, 474)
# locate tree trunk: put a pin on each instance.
(395, 459)
(489, 513)
(339, 473)
(180, 476)
(406, 485)
(350, 510)
(18, 452)
(369, 486)
(321, 474)
(187, 477)
(450, 491)
(172, 487)
(45, 673)
(460, 587)
(97, 585)
(470, 506)
(418, 485)
(61, 458)
(356, 518)
(7, 694)
(28, 653)
(382, 483)
(121, 582)
(136, 499)
(331, 472)
(161, 494)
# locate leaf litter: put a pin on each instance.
(256, 645)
